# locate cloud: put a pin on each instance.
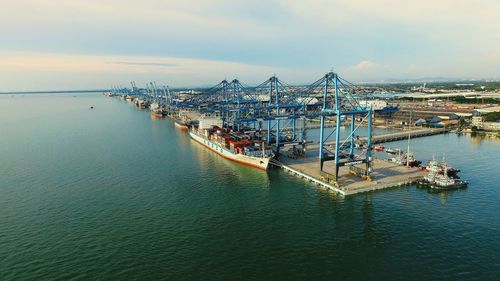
(365, 69)
(364, 65)
(147, 63)
(450, 12)
(182, 41)
(48, 71)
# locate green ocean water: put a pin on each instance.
(111, 194)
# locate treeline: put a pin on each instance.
(461, 99)
(491, 117)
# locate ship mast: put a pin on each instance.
(408, 150)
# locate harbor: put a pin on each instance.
(385, 175)
(249, 140)
(121, 178)
(253, 128)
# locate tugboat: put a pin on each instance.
(440, 182)
(442, 177)
(440, 168)
(443, 182)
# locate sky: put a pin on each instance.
(89, 44)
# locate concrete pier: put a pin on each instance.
(385, 175)
(403, 135)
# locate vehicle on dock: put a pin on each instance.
(244, 148)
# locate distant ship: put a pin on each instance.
(156, 110)
(183, 125)
(379, 106)
(234, 146)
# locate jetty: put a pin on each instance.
(390, 137)
(385, 175)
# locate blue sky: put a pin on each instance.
(81, 44)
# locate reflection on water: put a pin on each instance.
(80, 188)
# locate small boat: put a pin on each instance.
(379, 148)
(407, 159)
(447, 183)
(439, 179)
(181, 124)
(393, 150)
(441, 168)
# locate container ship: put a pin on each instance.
(235, 146)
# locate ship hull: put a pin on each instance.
(458, 185)
(158, 115)
(256, 162)
(181, 125)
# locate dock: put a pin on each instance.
(270, 118)
(424, 132)
(403, 135)
(385, 175)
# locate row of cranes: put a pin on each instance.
(150, 94)
(279, 112)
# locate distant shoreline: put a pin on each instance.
(54, 92)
